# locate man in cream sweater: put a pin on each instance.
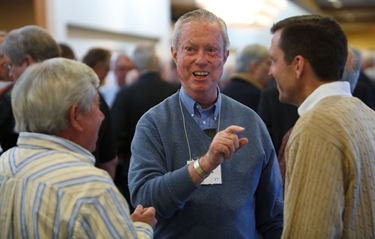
(330, 166)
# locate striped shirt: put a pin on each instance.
(50, 188)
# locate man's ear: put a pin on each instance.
(75, 118)
(226, 54)
(29, 60)
(299, 62)
(252, 67)
(174, 54)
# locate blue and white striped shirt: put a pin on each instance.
(50, 188)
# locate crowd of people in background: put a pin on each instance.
(184, 154)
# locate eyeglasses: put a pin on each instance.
(8, 66)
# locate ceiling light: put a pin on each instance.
(244, 13)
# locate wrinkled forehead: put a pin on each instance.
(203, 31)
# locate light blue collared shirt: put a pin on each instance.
(205, 118)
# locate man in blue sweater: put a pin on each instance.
(203, 160)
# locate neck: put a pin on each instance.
(206, 100)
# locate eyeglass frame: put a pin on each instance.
(8, 66)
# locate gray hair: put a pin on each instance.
(202, 16)
(45, 92)
(254, 53)
(352, 69)
(30, 40)
(144, 56)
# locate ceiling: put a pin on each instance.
(180, 7)
(353, 15)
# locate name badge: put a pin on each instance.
(214, 178)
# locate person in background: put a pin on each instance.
(170, 73)
(21, 48)
(121, 67)
(4, 71)
(330, 167)
(105, 154)
(50, 176)
(251, 75)
(6, 82)
(132, 102)
(279, 117)
(132, 76)
(203, 160)
(367, 87)
(352, 69)
(66, 51)
(368, 64)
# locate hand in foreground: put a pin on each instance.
(224, 145)
(146, 215)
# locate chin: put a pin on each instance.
(90, 148)
(282, 99)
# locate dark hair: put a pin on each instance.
(66, 51)
(318, 39)
(96, 55)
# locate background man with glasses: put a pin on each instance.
(21, 48)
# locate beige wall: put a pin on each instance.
(16, 13)
(362, 41)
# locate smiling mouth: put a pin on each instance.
(200, 73)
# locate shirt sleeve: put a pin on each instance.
(106, 216)
(269, 198)
(144, 231)
(150, 183)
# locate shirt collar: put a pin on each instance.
(337, 88)
(56, 143)
(190, 103)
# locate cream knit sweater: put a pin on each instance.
(330, 176)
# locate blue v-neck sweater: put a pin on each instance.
(247, 204)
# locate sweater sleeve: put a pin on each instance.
(150, 181)
(314, 192)
(269, 194)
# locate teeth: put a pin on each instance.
(204, 73)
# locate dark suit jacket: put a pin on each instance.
(277, 116)
(105, 145)
(130, 104)
(243, 91)
(8, 137)
(365, 90)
